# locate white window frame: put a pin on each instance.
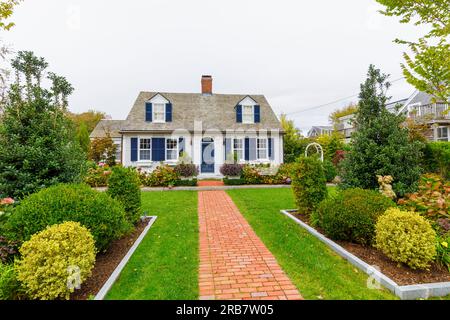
(147, 149)
(163, 112)
(177, 152)
(266, 148)
(252, 113)
(440, 129)
(241, 149)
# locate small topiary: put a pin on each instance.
(308, 184)
(56, 261)
(405, 236)
(351, 215)
(9, 285)
(102, 215)
(124, 185)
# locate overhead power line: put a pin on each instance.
(332, 102)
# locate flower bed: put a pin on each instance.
(401, 280)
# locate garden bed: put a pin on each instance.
(107, 262)
(401, 280)
(401, 274)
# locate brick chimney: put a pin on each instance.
(207, 85)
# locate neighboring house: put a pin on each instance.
(316, 131)
(210, 128)
(418, 106)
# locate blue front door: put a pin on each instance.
(207, 165)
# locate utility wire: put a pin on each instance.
(332, 102)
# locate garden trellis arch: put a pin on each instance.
(318, 147)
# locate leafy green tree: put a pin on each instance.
(83, 137)
(294, 143)
(429, 69)
(90, 118)
(6, 11)
(381, 144)
(38, 147)
(103, 150)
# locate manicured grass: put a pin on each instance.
(165, 265)
(316, 271)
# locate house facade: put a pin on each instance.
(418, 107)
(209, 129)
(316, 131)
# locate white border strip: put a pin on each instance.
(425, 290)
(113, 277)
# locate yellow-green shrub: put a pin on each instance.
(405, 236)
(55, 258)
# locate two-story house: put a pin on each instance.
(209, 128)
(419, 107)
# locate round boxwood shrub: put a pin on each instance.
(308, 184)
(102, 215)
(405, 236)
(351, 215)
(124, 185)
(55, 261)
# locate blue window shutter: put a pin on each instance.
(168, 112)
(134, 149)
(257, 113)
(238, 113)
(158, 149)
(247, 149)
(271, 147)
(181, 146)
(228, 142)
(253, 149)
(148, 112)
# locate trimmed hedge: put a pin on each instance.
(351, 215)
(124, 185)
(308, 184)
(234, 182)
(102, 215)
(185, 183)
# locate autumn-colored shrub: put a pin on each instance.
(98, 175)
(162, 176)
(432, 200)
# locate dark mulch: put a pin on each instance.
(400, 273)
(106, 263)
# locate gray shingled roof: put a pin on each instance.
(113, 126)
(216, 111)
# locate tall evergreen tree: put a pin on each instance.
(83, 137)
(38, 146)
(381, 145)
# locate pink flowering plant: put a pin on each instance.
(6, 205)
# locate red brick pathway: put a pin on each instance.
(210, 183)
(234, 263)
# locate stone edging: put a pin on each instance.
(409, 292)
(113, 277)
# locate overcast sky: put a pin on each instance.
(298, 53)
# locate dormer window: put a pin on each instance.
(159, 112)
(248, 114)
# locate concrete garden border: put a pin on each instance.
(113, 277)
(424, 290)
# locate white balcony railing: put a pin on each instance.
(432, 111)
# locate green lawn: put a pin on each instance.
(165, 265)
(314, 268)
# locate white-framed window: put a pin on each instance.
(145, 149)
(261, 148)
(442, 133)
(238, 149)
(247, 114)
(118, 150)
(159, 112)
(171, 149)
